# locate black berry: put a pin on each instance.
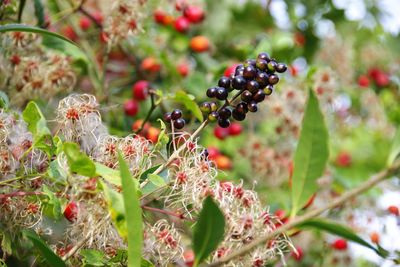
(238, 115)
(268, 89)
(272, 66)
(213, 116)
(250, 62)
(179, 123)
(246, 96)
(167, 117)
(273, 79)
(242, 107)
(259, 96)
(261, 64)
(281, 68)
(239, 82)
(224, 82)
(252, 106)
(205, 107)
(224, 123)
(176, 114)
(262, 78)
(264, 56)
(211, 92)
(252, 86)
(239, 70)
(249, 72)
(222, 93)
(224, 113)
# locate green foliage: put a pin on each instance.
(78, 161)
(208, 231)
(311, 154)
(133, 213)
(395, 150)
(92, 257)
(110, 175)
(39, 13)
(189, 103)
(4, 101)
(21, 9)
(52, 204)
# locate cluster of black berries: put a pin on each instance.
(255, 79)
(176, 118)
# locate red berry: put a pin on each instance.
(150, 64)
(160, 17)
(85, 23)
(183, 69)
(382, 79)
(131, 107)
(194, 14)
(223, 162)
(340, 244)
(299, 39)
(235, 129)
(299, 255)
(15, 59)
(374, 237)
(152, 134)
(213, 152)
(221, 133)
(230, 70)
(140, 90)
(199, 44)
(343, 159)
(393, 210)
(293, 71)
(188, 257)
(98, 17)
(69, 32)
(182, 24)
(71, 211)
(363, 81)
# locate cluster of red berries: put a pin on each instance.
(233, 130)
(140, 92)
(379, 77)
(189, 15)
(175, 117)
(255, 79)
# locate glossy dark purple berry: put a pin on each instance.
(272, 66)
(224, 82)
(249, 72)
(261, 64)
(250, 62)
(176, 114)
(224, 123)
(242, 107)
(252, 86)
(213, 116)
(246, 96)
(273, 79)
(239, 70)
(239, 116)
(268, 89)
(262, 78)
(224, 113)
(239, 83)
(264, 56)
(252, 106)
(167, 117)
(259, 96)
(281, 68)
(222, 93)
(205, 107)
(211, 92)
(179, 123)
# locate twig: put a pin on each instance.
(379, 177)
(20, 194)
(87, 14)
(152, 108)
(180, 216)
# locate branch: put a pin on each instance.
(377, 178)
(152, 108)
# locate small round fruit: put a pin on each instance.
(179, 123)
(214, 106)
(262, 78)
(224, 123)
(246, 96)
(264, 56)
(239, 82)
(272, 66)
(131, 107)
(85, 23)
(150, 64)
(230, 70)
(71, 211)
(211, 92)
(363, 81)
(242, 107)
(223, 162)
(235, 129)
(259, 96)
(213, 116)
(159, 16)
(252, 106)
(249, 72)
(298, 254)
(152, 134)
(176, 114)
(281, 68)
(239, 116)
(183, 69)
(239, 70)
(252, 86)
(224, 82)
(273, 79)
(340, 244)
(224, 113)
(250, 62)
(374, 237)
(222, 93)
(268, 89)
(205, 107)
(140, 90)
(393, 210)
(199, 44)
(220, 133)
(167, 117)
(194, 14)
(261, 64)
(182, 24)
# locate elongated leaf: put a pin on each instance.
(51, 258)
(93, 257)
(27, 28)
(39, 13)
(53, 204)
(78, 161)
(342, 231)
(21, 9)
(189, 103)
(395, 150)
(208, 231)
(108, 174)
(4, 101)
(133, 213)
(311, 154)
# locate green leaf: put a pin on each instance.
(156, 180)
(311, 154)
(208, 231)
(93, 257)
(78, 161)
(145, 174)
(163, 139)
(21, 9)
(51, 258)
(133, 213)
(146, 263)
(4, 101)
(53, 203)
(189, 103)
(395, 150)
(27, 28)
(108, 174)
(342, 231)
(39, 13)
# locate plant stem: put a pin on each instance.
(180, 216)
(151, 110)
(20, 194)
(379, 177)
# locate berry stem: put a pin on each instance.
(180, 216)
(374, 180)
(87, 14)
(151, 110)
